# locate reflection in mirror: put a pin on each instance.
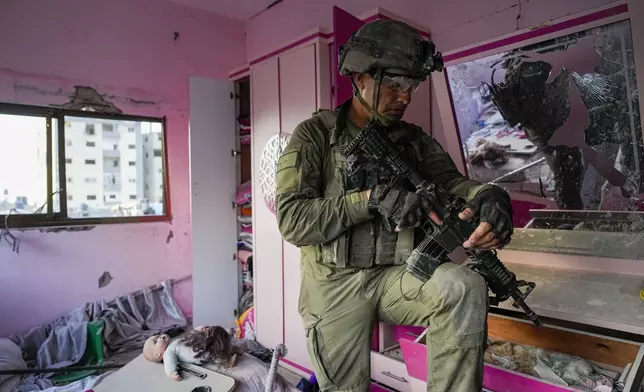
(557, 124)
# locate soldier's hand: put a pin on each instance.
(493, 209)
(483, 237)
(406, 209)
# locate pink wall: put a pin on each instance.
(453, 24)
(124, 48)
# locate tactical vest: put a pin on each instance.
(366, 244)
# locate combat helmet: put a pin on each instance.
(386, 47)
(389, 44)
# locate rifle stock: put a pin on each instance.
(445, 238)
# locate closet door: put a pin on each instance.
(344, 25)
(298, 102)
(212, 189)
(267, 241)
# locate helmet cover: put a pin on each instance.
(389, 45)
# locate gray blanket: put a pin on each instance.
(129, 321)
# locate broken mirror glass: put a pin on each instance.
(557, 124)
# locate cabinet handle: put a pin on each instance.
(401, 379)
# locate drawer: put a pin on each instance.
(379, 388)
(622, 358)
(389, 371)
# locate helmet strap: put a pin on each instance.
(373, 108)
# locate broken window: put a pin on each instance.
(556, 123)
(47, 197)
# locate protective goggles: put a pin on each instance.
(400, 83)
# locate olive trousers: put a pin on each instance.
(339, 306)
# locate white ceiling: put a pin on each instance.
(238, 9)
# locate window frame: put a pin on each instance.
(49, 218)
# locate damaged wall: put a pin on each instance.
(128, 51)
(453, 23)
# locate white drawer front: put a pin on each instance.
(390, 372)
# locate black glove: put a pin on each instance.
(494, 206)
(406, 209)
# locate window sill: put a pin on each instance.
(17, 222)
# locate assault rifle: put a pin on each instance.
(443, 239)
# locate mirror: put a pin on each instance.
(557, 124)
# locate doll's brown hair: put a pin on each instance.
(211, 344)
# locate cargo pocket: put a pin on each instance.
(336, 251)
(404, 246)
(316, 347)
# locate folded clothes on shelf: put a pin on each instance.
(243, 255)
(244, 124)
(244, 193)
(244, 245)
(245, 219)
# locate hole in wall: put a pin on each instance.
(105, 279)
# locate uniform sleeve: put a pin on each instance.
(304, 215)
(439, 167)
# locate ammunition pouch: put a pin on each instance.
(366, 244)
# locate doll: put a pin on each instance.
(204, 344)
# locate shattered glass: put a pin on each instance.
(557, 123)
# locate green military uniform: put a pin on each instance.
(353, 270)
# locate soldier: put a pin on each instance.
(333, 207)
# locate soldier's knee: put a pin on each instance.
(463, 295)
(458, 285)
(473, 289)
